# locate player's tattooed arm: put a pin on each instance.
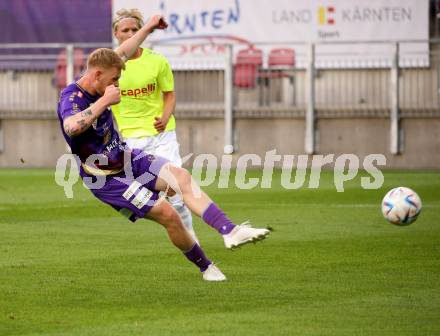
(81, 121)
(86, 113)
(83, 125)
(69, 131)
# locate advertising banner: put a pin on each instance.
(347, 33)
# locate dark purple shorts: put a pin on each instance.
(132, 192)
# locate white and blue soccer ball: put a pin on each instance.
(401, 206)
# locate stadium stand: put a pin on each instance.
(61, 66)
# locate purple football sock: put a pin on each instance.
(198, 257)
(216, 218)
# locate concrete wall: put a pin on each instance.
(39, 143)
(361, 136)
(31, 143)
(421, 140)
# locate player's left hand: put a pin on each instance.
(160, 124)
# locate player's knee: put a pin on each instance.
(183, 177)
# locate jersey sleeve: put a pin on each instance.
(165, 78)
(72, 103)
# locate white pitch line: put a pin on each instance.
(326, 205)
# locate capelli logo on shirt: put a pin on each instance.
(141, 92)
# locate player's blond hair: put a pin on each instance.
(128, 14)
(105, 58)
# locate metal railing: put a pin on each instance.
(214, 86)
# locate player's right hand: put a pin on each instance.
(112, 95)
(157, 22)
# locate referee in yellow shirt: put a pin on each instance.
(145, 114)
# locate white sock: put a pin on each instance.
(184, 213)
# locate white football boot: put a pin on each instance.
(213, 273)
(244, 234)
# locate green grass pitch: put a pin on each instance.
(332, 266)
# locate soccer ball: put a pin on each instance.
(401, 206)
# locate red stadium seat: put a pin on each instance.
(280, 63)
(281, 57)
(61, 66)
(246, 67)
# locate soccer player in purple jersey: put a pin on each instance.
(133, 179)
